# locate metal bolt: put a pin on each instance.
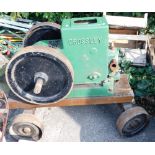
(94, 75)
(110, 89)
(90, 77)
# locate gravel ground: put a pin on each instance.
(85, 124)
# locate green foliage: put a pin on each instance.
(142, 79)
(129, 14)
(49, 16)
(58, 16)
(151, 22)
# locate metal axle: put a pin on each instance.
(38, 86)
(40, 79)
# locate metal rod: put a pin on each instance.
(38, 86)
(13, 23)
(14, 27)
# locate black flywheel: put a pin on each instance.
(39, 75)
(42, 31)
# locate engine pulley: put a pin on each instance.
(39, 75)
(42, 31)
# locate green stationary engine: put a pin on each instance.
(85, 44)
(72, 61)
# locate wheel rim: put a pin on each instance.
(135, 125)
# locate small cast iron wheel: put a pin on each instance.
(132, 121)
(39, 75)
(42, 31)
(26, 126)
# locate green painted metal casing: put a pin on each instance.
(103, 88)
(85, 44)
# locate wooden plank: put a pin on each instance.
(123, 93)
(14, 104)
(152, 42)
(128, 41)
(14, 23)
(127, 21)
(125, 44)
(151, 52)
(128, 37)
(123, 31)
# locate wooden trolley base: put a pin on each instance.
(122, 94)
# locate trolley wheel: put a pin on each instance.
(42, 31)
(26, 126)
(132, 121)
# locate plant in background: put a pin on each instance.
(49, 16)
(58, 16)
(142, 81)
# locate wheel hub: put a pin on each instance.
(27, 130)
(135, 124)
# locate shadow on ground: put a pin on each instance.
(98, 124)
